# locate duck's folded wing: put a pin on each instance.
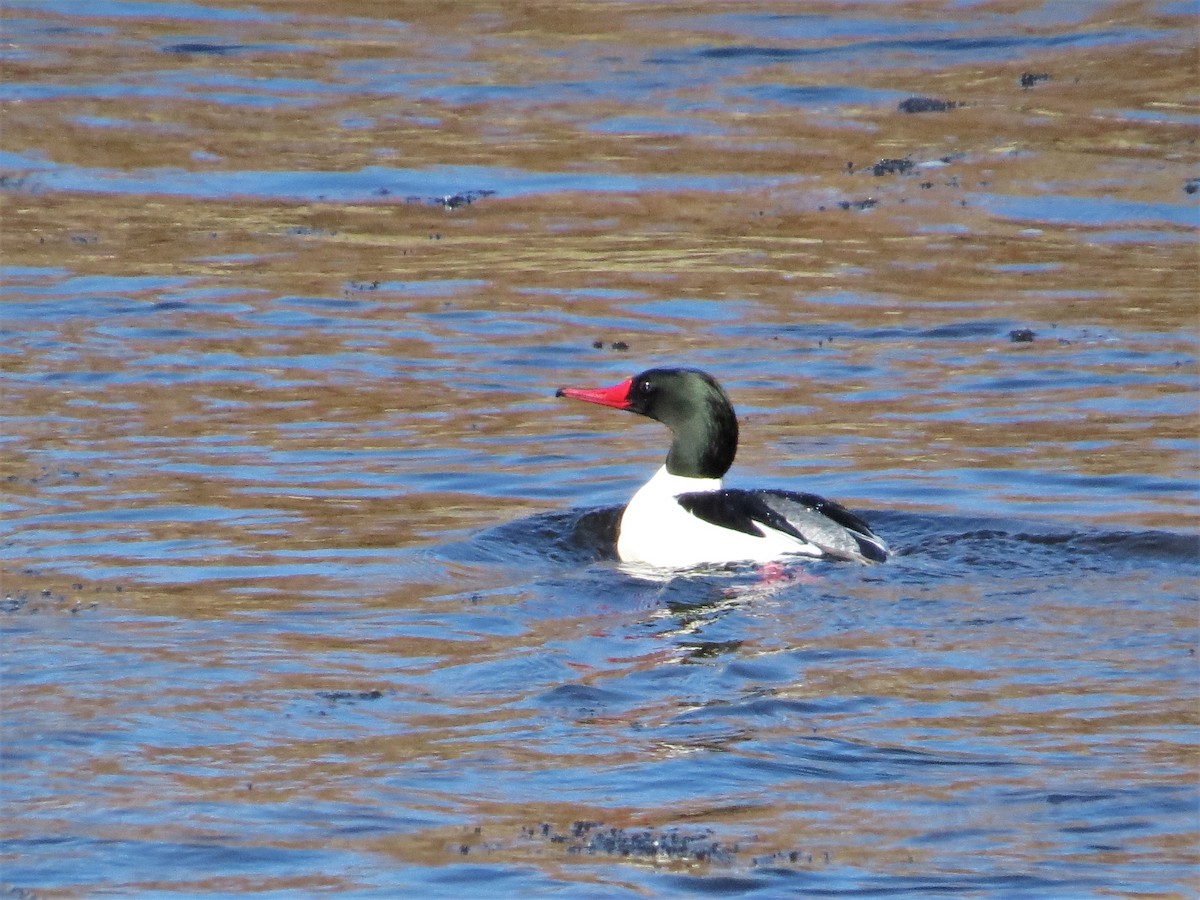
(826, 526)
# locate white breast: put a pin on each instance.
(657, 531)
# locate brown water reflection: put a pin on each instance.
(264, 395)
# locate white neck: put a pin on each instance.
(664, 484)
(653, 519)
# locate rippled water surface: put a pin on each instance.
(308, 582)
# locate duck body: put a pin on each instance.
(684, 517)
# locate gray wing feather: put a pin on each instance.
(830, 526)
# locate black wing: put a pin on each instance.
(829, 526)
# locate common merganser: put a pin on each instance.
(683, 517)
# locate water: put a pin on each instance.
(307, 575)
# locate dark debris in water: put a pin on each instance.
(73, 599)
(200, 48)
(1191, 186)
(453, 201)
(589, 838)
(786, 858)
(865, 203)
(925, 104)
(344, 696)
(892, 167)
(447, 201)
(45, 475)
(619, 346)
(13, 182)
(1022, 335)
(309, 231)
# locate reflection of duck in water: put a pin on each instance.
(682, 517)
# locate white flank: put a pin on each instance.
(657, 531)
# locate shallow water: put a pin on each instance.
(307, 580)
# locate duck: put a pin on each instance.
(685, 517)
